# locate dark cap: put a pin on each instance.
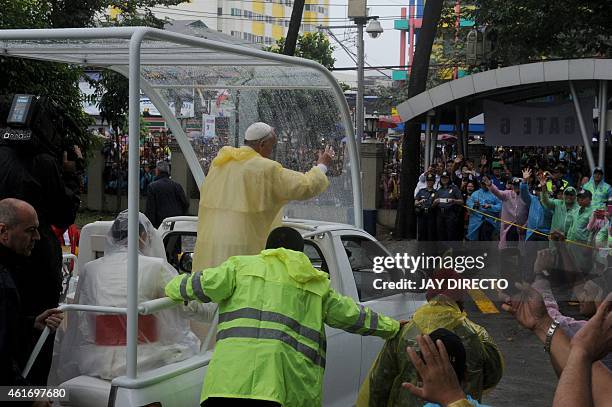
(598, 169)
(585, 193)
(454, 348)
(445, 174)
(430, 177)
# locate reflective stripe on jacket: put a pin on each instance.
(271, 335)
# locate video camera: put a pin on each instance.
(32, 123)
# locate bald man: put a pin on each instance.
(18, 235)
(242, 197)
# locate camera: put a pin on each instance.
(32, 123)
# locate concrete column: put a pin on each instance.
(95, 184)
(372, 160)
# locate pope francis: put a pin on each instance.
(242, 197)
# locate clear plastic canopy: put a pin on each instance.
(210, 89)
(300, 98)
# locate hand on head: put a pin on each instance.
(440, 383)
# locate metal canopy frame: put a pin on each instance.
(518, 83)
(123, 49)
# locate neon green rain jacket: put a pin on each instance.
(271, 336)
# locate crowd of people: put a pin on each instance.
(513, 197)
(154, 148)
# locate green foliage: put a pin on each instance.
(447, 53)
(111, 90)
(529, 30)
(314, 46)
(389, 97)
(60, 81)
(313, 103)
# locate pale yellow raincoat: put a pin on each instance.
(241, 201)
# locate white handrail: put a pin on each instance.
(145, 308)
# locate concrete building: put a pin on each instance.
(261, 22)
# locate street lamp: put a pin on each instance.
(371, 124)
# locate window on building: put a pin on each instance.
(219, 11)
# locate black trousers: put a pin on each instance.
(447, 222)
(426, 227)
(225, 402)
(485, 232)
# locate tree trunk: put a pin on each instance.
(294, 27)
(405, 225)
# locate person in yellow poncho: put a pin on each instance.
(242, 197)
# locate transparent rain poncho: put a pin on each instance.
(93, 344)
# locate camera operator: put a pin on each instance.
(31, 172)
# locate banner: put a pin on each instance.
(208, 126)
(536, 124)
(187, 109)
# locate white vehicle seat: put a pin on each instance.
(87, 391)
(92, 241)
(91, 247)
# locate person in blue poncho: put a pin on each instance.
(480, 226)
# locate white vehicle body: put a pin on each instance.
(349, 356)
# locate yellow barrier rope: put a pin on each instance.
(524, 227)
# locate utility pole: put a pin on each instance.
(360, 22)
(294, 27)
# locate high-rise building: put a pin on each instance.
(256, 21)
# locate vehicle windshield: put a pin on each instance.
(215, 105)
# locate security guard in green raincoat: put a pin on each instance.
(383, 384)
(271, 335)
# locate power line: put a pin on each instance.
(317, 4)
(387, 67)
(353, 56)
(225, 16)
